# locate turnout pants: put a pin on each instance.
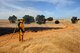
(21, 33)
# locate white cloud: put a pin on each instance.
(58, 3)
(55, 2)
(19, 11)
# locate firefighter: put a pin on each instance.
(21, 29)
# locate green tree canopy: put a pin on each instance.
(12, 19)
(28, 19)
(50, 19)
(57, 22)
(74, 20)
(40, 19)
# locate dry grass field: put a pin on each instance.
(54, 38)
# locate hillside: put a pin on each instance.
(57, 38)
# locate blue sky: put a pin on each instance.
(50, 8)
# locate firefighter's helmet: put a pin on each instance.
(21, 20)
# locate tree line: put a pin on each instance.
(39, 19)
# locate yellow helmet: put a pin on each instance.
(21, 20)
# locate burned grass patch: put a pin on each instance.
(6, 30)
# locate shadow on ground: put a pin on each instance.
(5, 30)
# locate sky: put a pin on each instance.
(58, 9)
